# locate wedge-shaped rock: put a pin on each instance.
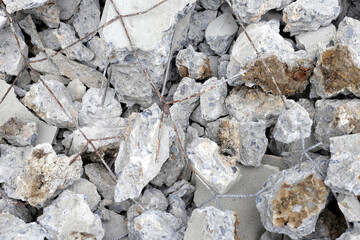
(217, 170)
(140, 156)
(43, 103)
(47, 13)
(45, 173)
(29, 27)
(83, 186)
(349, 206)
(70, 217)
(291, 70)
(67, 8)
(87, 18)
(101, 178)
(12, 6)
(292, 201)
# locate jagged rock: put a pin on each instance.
(211, 4)
(3, 18)
(199, 21)
(197, 118)
(67, 8)
(212, 102)
(199, 129)
(212, 223)
(76, 89)
(88, 189)
(336, 118)
(98, 47)
(49, 39)
(177, 207)
(100, 177)
(48, 13)
(19, 133)
(12, 227)
(346, 143)
(87, 19)
(272, 236)
(69, 216)
(349, 206)
(307, 15)
(74, 70)
(46, 66)
(13, 108)
(115, 226)
(246, 142)
(155, 224)
(252, 105)
(51, 77)
(29, 28)
(213, 62)
(204, 47)
(13, 6)
(181, 189)
(220, 33)
(352, 234)
(134, 166)
(292, 201)
(218, 171)
(193, 64)
(44, 173)
(291, 70)
(47, 107)
(293, 124)
(11, 58)
(66, 36)
(19, 211)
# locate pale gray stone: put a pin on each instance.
(348, 33)
(307, 15)
(352, 234)
(3, 19)
(177, 207)
(49, 39)
(115, 226)
(198, 24)
(211, 4)
(213, 62)
(51, 77)
(48, 13)
(274, 161)
(45, 67)
(88, 189)
(66, 36)
(24, 79)
(19, 133)
(212, 129)
(76, 89)
(196, 116)
(204, 47)
(181, 189)
(220, 33)
(199, 129)
(43, 103)
(99, 47)
(211, 223)
(349, 206)
(29, 28)
(69, 216)
(87, 19)
(67, 8)
(19, 211)
(17, 5)
(346, 143)
(100, 177)
(12, 227)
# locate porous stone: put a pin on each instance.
(349, 206)
(44, 173)
(212, 223)
(67, 8)
(134, 166)
(87, 19)
(220, 33)
(88, 189)
(212, 102)
(291, 70)
(345, 143)
(66, 36)
(218, 171)
(46, 66)
(47, 13)
(49, 39)
(199, 21)
(19, 133)
(98, 47)
(246, 142)
(292, 201)
(45, 105)
(193, 64)
(76, 89)
(100, 177)
(29, 28)
(12, 227)
(13, 6)
(181, 189)
(115, 226)
(70, 217)
(307, 15)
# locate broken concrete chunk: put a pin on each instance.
(346, 143)
(49, 39)
(193, 64)
(199, 21)
(293, 124)
(140, 158)
(47, 107)
(3, 19)
(88, 17)
(183, 190)
(218, 171)
(220, 33)
(99, 47)
(67, 8)
(154, 199)
(19, 133)
(12, 227)
(29, 28)
(76, 89)
(100, 177)
(88, 189)
(292, 201)
(211, 223)
(18, 211)
(46, 66)
(48, 13)
(45, 173)
(348, 33)
(115, 226)
(349, 206)
(66, 36)
(291, 70)
(352, 234)
(212, 102)
(13, 6)
(70, 217)
(307, 15)
(211, 4)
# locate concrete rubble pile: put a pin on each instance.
(251, 143)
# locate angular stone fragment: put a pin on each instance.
(99, 47)
(246, 142)
(19, 133)
(183, 190)
(88, 189)
(45, 66)
(353, 234)
(18, 211)
(74, 70)
(12, 227)
(349, 206)
(115, 226)
(13, 6)
(49, 39)
(199, 21)
(177, 207)
(220, 33)
(291, 70)
(100, 177)
(76, 89)
(48, 13)
(211, 4)
(29, 28)
(67, 8)
(66, 36)
(193, 64)
(70, 217)
(140, 158)
(87, 19)
(212, 223)
(292, 201)
(3, 18)
(43, 103)
(307, 15)
(218, 171)
(45, 173)
(212, 102)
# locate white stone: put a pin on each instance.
(100, 177)
(349, 206)
(88, 189)
(76, 89)
(29, 28)
(3, 19)
(16, 5)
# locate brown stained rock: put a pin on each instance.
(229, 136)
(205, 71)
(347, 119)
(48, 13)
(18, 132)
(290, 79)
(306, 195)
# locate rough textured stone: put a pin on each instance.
(349, 206)
(87, 19)
(98, 47)
(76, 89)
(199, 21)
(19, 133)
(48, 13)
(291, 70)
(100, 177)
(292, 201)
(29, 28)
(307, 15)
(45, 173)
(67, 8)
(211, 4)
(212, 102)
(13, 6)
(88, 189)
(69, 216)
(49, 39)
(3, 19)
(139, 160)
(212, 223)
(45, 105)
(44, 67)
(218, 171)
(181, 189)
(220, 33)
(115, 226)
